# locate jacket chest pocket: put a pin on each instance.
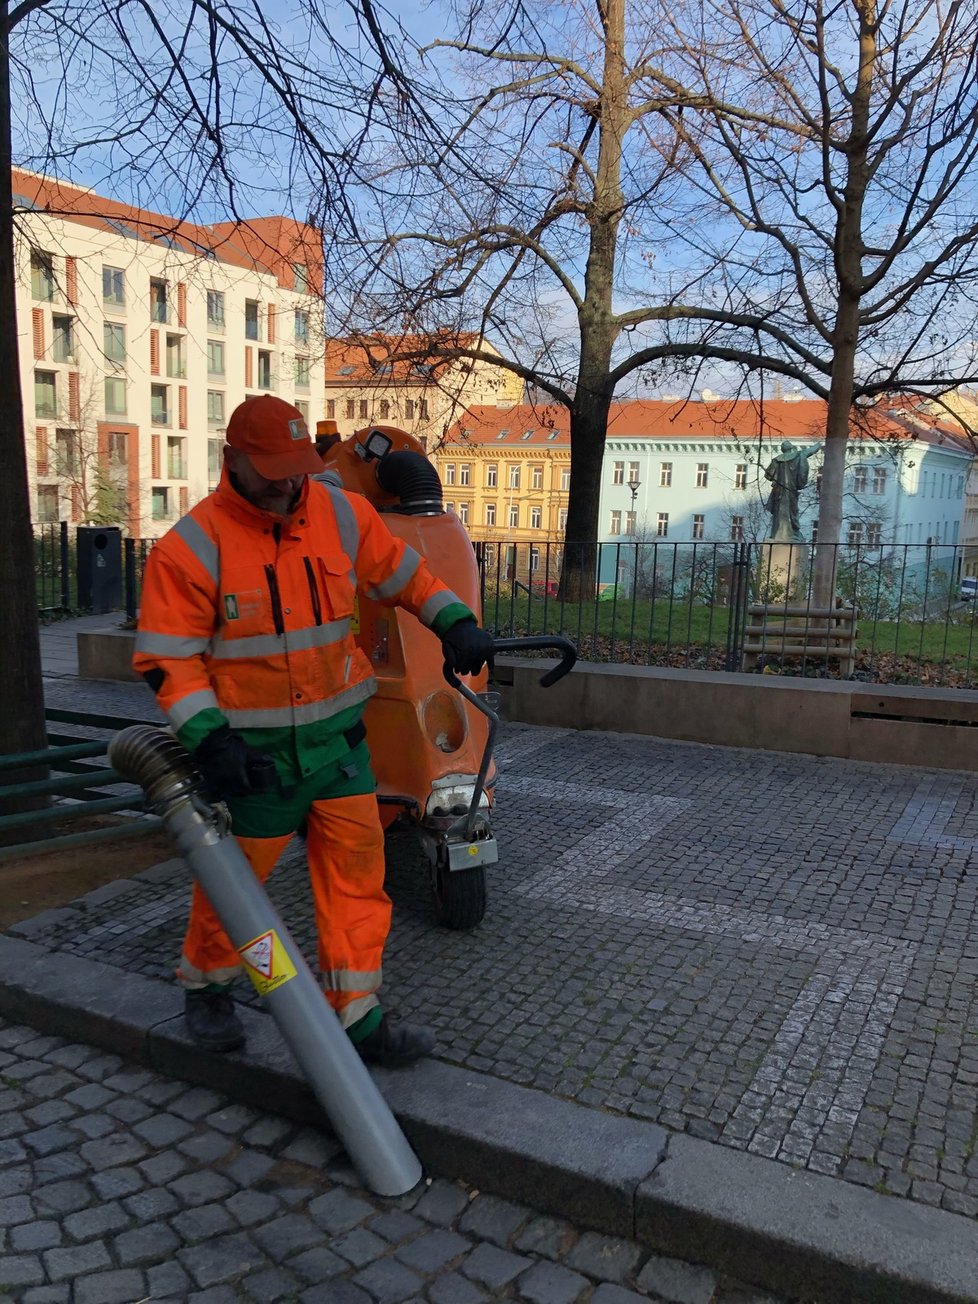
(337, 593)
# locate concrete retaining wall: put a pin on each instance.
(930, 727)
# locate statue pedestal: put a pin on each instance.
(782, 572)
(783, 622)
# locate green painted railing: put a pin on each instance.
(69, 762)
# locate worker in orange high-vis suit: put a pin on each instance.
(245, 637)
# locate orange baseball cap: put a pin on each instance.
(274, 435)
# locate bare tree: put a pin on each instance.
(842, 140)
(200, 107)
(529, 218)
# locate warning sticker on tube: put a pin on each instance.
(267, 962)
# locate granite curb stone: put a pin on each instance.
(695, 1199)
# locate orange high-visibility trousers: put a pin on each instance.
(345, 846)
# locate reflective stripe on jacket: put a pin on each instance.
(248, 616)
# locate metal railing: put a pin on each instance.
(687, 605)
(65, 795)
(690, 605)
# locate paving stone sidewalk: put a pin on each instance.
(118, 1185)
(774, 952)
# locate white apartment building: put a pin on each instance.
(139, 334)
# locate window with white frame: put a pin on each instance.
(66, 452)
(630, 522)
(562, 519)
(252, 320)
(662, 525)
(490, 513)
(740, 475)
(618, 473)
(514, 477)
(534, 557)
(665, 475)
(565, 479)
(301, 326)
(115, 396)
(45, 394)
(161, 503)
(491, 473)
(176, 457)
(632, 472)
(113, 287)
(215, 358)
(536, 518)
(159, 402)
(702, 474)
(855, 533)
(42, 276)
(63, 341)
(879, 479)
(463, 513)
(699, 526)
(215, 455)
(537, 477)
(736, 528)
(860, 479)
(215, 310)
(449, 472)
(874, 535)
(464, 471)
(215, 407)
(615, 524)
(48, 503)
(114, 341)
(159, 301)
(514, 517)
(301, 371)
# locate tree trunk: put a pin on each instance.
(588, 431)
(22, 726)
(596, 321)
(834, 465)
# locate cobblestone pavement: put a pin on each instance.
(118, 1186)
(776, 952)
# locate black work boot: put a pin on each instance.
(394, 1042)
(211, 1020)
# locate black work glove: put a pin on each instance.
(467, 648)
(232, 767)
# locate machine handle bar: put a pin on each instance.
(568, 655)
(537, 642)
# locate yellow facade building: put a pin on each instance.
(506, 474)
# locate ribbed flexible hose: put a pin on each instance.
(152, 758)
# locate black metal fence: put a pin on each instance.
(689, 605)
(699, 605)
(57, 570)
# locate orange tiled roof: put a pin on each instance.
(262, 244)
(356, 360)
(796, 419)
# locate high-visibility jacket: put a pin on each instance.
(246, 619)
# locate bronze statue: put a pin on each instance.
(788, 474)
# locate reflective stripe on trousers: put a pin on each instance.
(345, 847)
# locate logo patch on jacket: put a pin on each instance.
(239, 606)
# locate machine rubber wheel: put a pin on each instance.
(460, 896)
